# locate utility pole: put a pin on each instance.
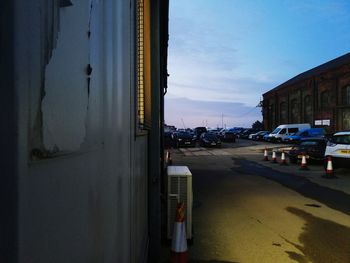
(222, 120)
(183, 123)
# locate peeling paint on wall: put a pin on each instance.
(64, 106)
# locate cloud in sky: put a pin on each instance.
(233, 51)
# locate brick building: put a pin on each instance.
(319, 96)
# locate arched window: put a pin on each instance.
(325, 99)
(295, 116)
(346, 95)
(308, 109)
(272, 114)
(346, 120)
(283, 112)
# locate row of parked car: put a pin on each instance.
(190, 138)
(289, 133)
(201, 135)
(318, 149)
(314, 143)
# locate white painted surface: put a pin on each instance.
(90, 204)
(64, 106)
(178, 170)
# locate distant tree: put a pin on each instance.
(258, 125)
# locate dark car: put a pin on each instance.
(313, 148)
(168, 139)
(229, 135)
(209, 140)
(198, 131)
(184, 139)
(245, 134)
(259, 135)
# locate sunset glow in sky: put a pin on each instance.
(224, 54)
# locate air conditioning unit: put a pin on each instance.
(179, 190)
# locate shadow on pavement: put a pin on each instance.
(322, 240)
(211, 261)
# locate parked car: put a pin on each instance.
(168, 139)
(305, 133)
(312, 148)
(229, 135)
(245, 134)
(184, 139)
(266, 137)
(209, 140)
(338, 147)
(259, 135)
(282, 131)
(198, 131)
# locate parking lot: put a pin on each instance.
(249, 210)
(254, 151)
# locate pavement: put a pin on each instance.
(254, 152)
(244, 149)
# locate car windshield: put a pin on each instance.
(341, 139)
(183, 134)
(276, 130)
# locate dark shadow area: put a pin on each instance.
(322, 240)
(297, 257)
(332, 198)
(211, 261)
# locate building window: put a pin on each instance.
(295, 111)
(346, 120)
(272, 114)
(283, 112)
(308, 109)
(346, 95)
(325, 99)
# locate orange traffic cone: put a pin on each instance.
(179, 252)
(274, 159)
(303, 165)
(329, 170)
(266, 157)
(283, 159)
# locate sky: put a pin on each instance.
(224, 54)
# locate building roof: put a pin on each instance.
(337, 62)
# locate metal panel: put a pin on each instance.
(79, 206)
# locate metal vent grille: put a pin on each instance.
(179, 190)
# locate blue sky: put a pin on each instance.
(224, 54)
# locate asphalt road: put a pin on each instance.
(246, 212)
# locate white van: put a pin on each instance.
(285, 130)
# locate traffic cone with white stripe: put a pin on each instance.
(266, 157)
(303, 165)
(179, 253)
(283, 159)
(274, 159)
(329, 170)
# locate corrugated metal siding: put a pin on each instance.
(86, 203)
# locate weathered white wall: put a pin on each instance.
(82, 172)
(65, 104)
